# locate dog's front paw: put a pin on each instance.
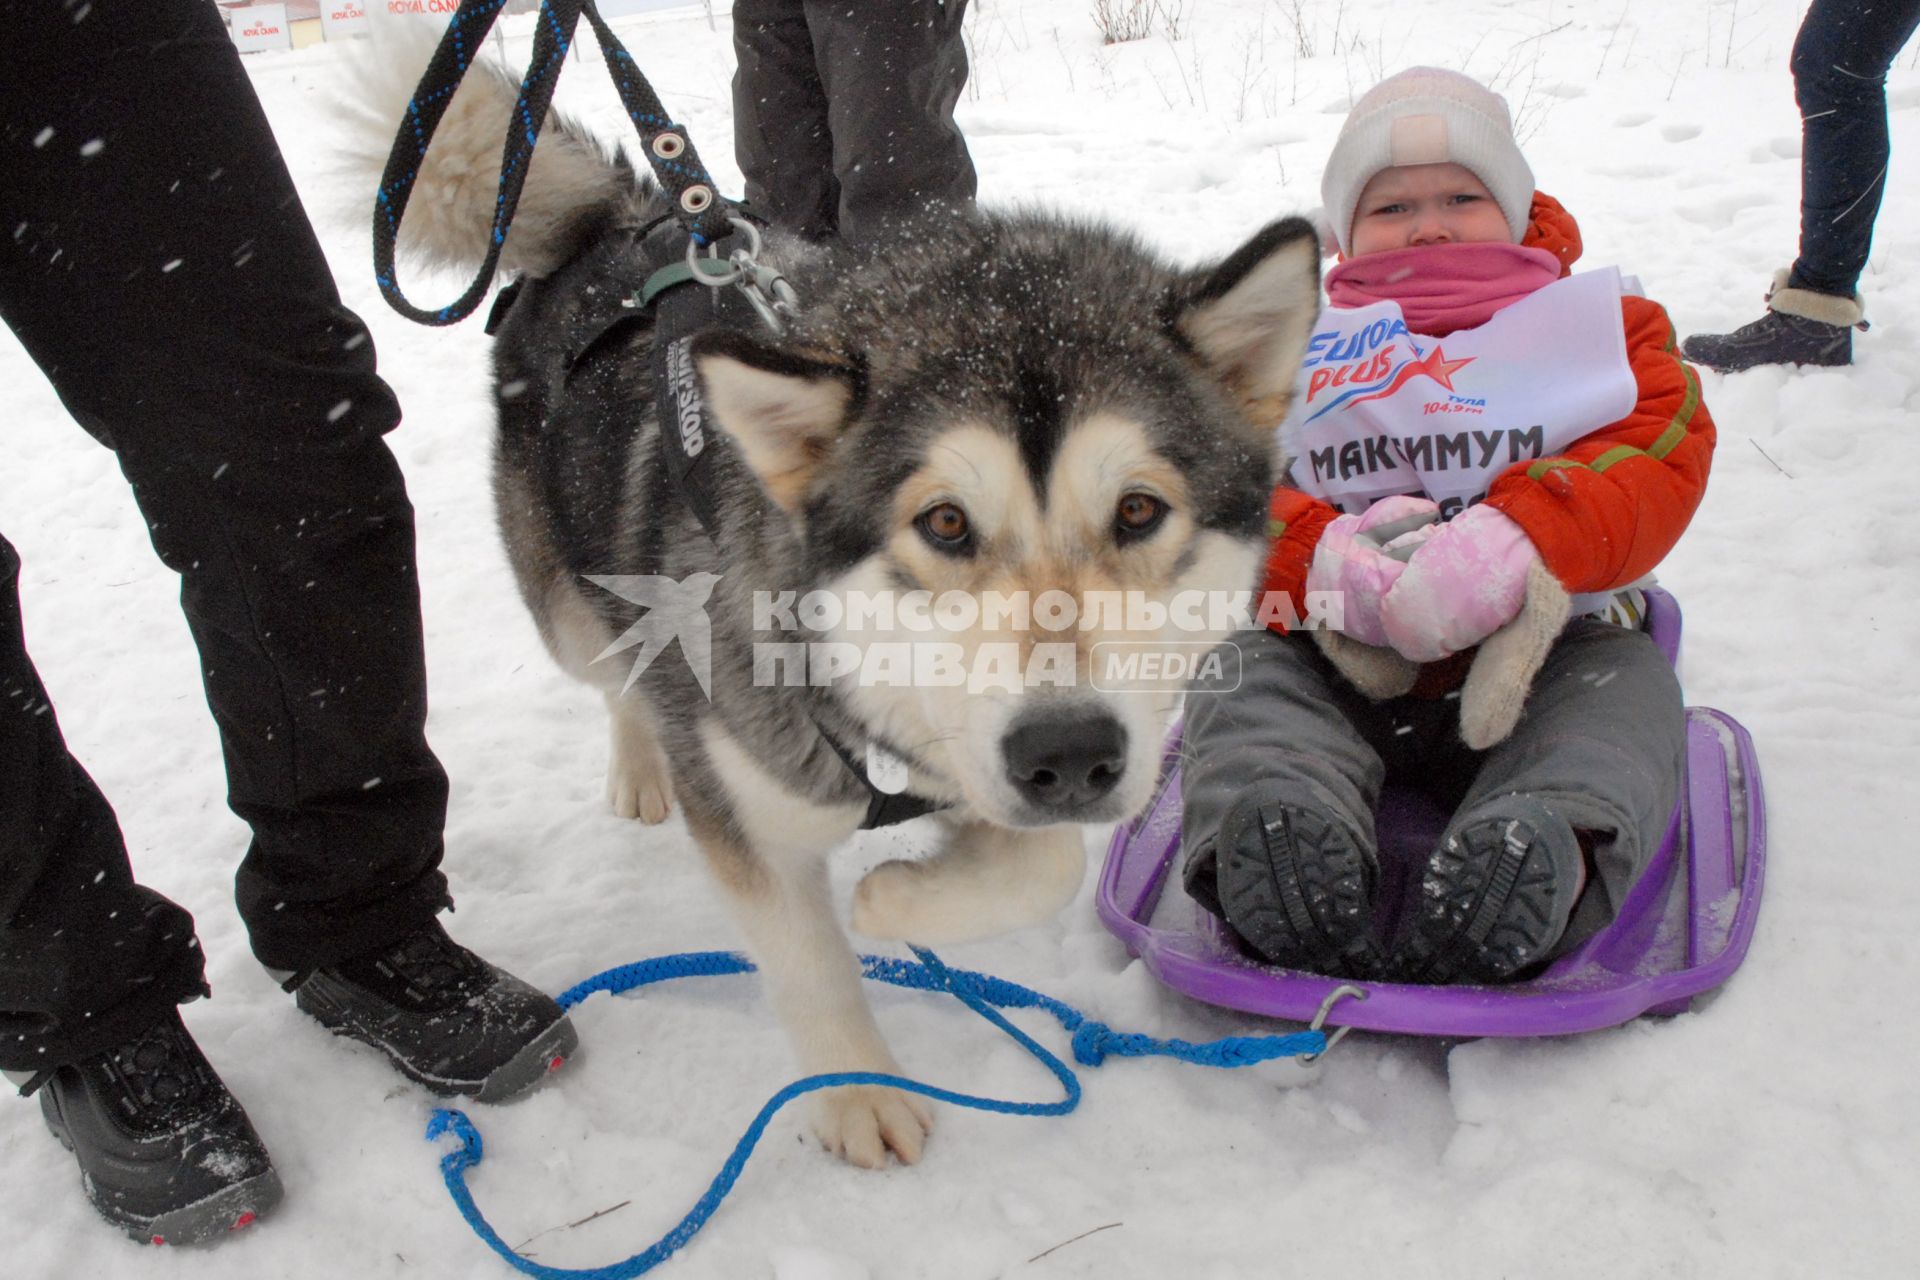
(988, 880)
(639, 780)
(890, 902)
(861, 1123)
(648, 797)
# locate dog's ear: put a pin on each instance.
(782, 408)
(1249, 318)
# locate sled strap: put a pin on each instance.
(1092, 1042)
(667, 147)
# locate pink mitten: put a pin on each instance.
(1352, 560)
(1464, 582)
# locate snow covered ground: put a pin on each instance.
(1771, 1132)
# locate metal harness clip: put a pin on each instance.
(773, 299)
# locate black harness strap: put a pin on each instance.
(681, 310)
(884, 809)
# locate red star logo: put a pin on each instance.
(1435, 366)
(1439, 368)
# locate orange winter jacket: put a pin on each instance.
(1607, 510)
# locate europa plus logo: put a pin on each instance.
(1373, 363)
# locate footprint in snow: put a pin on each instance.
(1648, 170)
(1679, 132)
(1718, 213)
(1633, 119)
(1775, 149)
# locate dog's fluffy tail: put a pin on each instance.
(575, 186)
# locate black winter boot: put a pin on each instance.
(445, 1017)
(1496, 896)
(1775, 338)
(1800, 327)
(165, 1152)
(1293, 883)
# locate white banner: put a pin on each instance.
(260, 27)
(345, 19)
(410, 14)
(1381, 410)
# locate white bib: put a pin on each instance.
(1381, 410)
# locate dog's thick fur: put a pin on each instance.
(1030, 371)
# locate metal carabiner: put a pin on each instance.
(1334, 997)
(773, 299)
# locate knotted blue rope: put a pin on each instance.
(1093, 1042)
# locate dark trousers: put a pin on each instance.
(1602, 744)
(157, 265)
(1840, 61)
(843, 112)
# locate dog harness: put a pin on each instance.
(737, 293)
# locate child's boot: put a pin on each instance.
(1293, 882)
(1496, 895)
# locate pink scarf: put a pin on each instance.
(1444, 287)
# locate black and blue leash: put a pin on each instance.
(668, 149)
(1093, 1043)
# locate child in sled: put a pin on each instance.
(1485, 448)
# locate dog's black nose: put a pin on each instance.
(1060, 761)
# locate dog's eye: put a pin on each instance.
(1137, 516)
(945, 526)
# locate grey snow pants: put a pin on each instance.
(1602, 743)
(843, 113)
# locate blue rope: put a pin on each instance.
(1093, 1042)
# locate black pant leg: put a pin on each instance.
(163, 274)
(893, 74)
(780, 135)
(87, 957)
(1840, 62)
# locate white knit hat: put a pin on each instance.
(1426, 115)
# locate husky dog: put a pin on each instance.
(1006, 403)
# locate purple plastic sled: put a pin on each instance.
(1683, 928)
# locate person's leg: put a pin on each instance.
(163, 274)
(780, 136)
(1278, 790)
(893, 74)
(91, 967)
(1589, 776)
(1840, 62)
(87, 957)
